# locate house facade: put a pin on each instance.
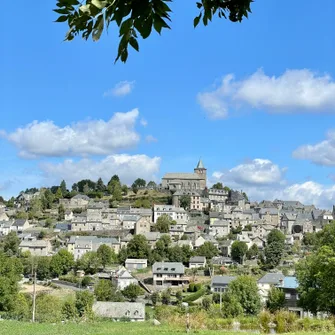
(220, 284)
(136, 264)
(117, 311)
(36, 248)
(166, 274)
(197, 262)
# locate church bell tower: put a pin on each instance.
(202, 172)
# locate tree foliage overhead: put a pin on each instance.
(134, 18)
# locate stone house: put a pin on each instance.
(259, 242)
(220, 283)
(20, 225)
(287, 221)
(225, 247)
(129, 221)
(142, 226)
(79, 222)
(267, 281)
(219, 228)
(3, 216)
(166, 274)
(197, 262)
(136, 264)
(177, 230)
(68, 215)
(122, 278)
(117, 311)
(217, 195)
(270, 216)
(78, 201)
(36, 247)
(5, 227)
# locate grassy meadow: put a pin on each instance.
(103, 328)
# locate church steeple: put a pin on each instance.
(200, 164)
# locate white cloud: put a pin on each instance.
(127, 167)
(294, 90)
(144, 122)
(322, 153)
(262, 179)
(151, 139)
(96, 137)
(121, 89)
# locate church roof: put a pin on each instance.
(200, 164)
(192, 176)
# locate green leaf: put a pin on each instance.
(133, 42)
(62, 18)
(124, 56)
(146, 27)
(125, 26)
(196, 20)
(99, 4)
(61, 11)
(98, 28)
(199, 5)
(159, 23)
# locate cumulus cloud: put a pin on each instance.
(262, 179)
(127, 167)
(121, 89)
(293, 91)
(151, 139)
(96, 137)
(322, 153)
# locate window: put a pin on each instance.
(127, 313)
(287, 295)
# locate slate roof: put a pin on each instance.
(19, 222)
(271, 278)
(190, 176)
(198, 259)
(118, 310)
(200, 164)
(290, 216)
(34, 244)
(168, 268)
(81, 196)
(152, 236)
(271, 211)
(222, 280)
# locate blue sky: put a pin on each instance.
(267, 129)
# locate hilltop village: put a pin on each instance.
(164, 241)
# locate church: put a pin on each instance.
(186, 181)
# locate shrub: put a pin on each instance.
(48, 308)
(195, 296)
(265, 318)
(285, 321)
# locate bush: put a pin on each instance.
(265, 318)
(195, 296)
(86, 281)
(48, 308)
(285, 321)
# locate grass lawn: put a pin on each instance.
(100, 328)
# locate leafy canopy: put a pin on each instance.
(89, 18)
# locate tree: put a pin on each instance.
(69, 310)
(139, 183)
(238, 251)
(43, 268)
(138, 247)
(61, 212)
(131, 292)
(253, 252)
(163, 224)
(218, 186)
(89, 262)
(100, 186)
(106, 255)
(161, 251)
(275, 235)
(208, 249)
(61, 263)
(11, 244)
(151, 184)
(105, 291)
(155, 298)
(315, 276)
(273, 253)
(245, 290)
(185, 201)
(48, 308)
(227, 189)
(124, 189)
(166, 297)
(84, 302)
(90, 18)
(10, 273)
(310, 239)
(63, 188)
(276, 299)
(122, 255)
(206, 303)
(274, 250)
(59, 194)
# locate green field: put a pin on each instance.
(101, 328)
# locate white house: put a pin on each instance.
(197, 262)
(175, 213)
(169, 274)
(136, 264)
(267, 281)
(122, 278)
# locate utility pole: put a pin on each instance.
(220, 299)
(34, 296)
